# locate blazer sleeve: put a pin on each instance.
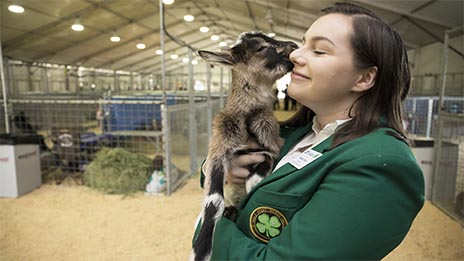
(362, 210)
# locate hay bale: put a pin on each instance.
(118, 171)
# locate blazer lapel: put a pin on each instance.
(288, 168)
(292, 139)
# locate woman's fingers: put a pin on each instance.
(249, 159)
(239, 173)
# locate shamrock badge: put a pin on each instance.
(267, 223)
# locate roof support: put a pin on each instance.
(250, 14)
(434, 36)
(47, 57)
(23, 38)
(405, 13)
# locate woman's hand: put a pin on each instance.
(239, 172)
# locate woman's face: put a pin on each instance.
(324, 74)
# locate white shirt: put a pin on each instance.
(314, 138)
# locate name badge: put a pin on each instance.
(303, 159)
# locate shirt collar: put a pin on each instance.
(329, 128)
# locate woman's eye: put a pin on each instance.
(318, 52)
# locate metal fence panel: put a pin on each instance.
(2, 118)
(448, 183)
(74, 131)
(421, 113)
(184, 152)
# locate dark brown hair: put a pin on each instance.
(374, 43)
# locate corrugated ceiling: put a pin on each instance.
(43, 34)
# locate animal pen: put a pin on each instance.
(86, 116)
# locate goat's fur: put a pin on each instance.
(257, 61)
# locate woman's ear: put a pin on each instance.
(366, 80)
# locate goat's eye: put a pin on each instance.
(261, 48)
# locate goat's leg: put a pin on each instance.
(228, 133)
(265, 130)
(213, 207)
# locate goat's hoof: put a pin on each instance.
(230, 213)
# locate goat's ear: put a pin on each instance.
(218, 58)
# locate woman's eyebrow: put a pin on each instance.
(322, 38)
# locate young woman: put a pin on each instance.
(346, 185)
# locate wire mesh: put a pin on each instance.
(448, 185)
(74, 131)
(187, 149)
(421, 113)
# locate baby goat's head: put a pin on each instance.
(255, 56)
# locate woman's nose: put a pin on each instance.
(296, 58)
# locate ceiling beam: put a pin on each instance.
(125, 17)
(83, 59)
(157, 63)
(434, 36)
(225, 30)
(247, 27)
(222, 11)
(144, 59)
(24, 38)
(190, 32)
(43, 57)
(402, 12)
(87, 57)
(250, 14)
(299, 13)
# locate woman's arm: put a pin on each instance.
(362, 210)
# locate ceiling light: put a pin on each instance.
(215, 37)
(16, 9)
(115, 39)
(185, 60)
(168, 2)
(189, 18)
(222, 44)
(194, 62)
(141, 46)
(159, 52)
(174, 56)
(204, 29)
(77, 26)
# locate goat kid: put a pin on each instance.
(257, 61)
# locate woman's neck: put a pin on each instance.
(324, 119)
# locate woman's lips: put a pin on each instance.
(296, 75)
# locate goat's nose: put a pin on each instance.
(293, 46)
(290, 46)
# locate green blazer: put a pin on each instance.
(356, 201)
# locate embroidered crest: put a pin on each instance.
(267, 223)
